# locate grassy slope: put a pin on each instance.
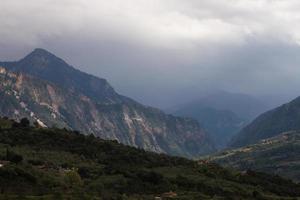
(59, 164)
(279, 155)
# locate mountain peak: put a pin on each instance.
(40, 53)
(41, 60)
(45, 65)
(57, 93)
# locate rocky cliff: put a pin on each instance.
(45, 89)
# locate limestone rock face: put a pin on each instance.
(46, 89)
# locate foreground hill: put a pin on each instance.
(272, 123)
(279, 155)
(43, 87)
(52, 163)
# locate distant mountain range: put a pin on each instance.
(269, 124)
(44, 88)
(243, 105)
(222, 113)
(278, 155)
(221, 124)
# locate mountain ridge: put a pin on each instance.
(108, 114)
(47, 66)
(243, 105)
(271, 123)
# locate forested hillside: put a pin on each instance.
(52, 163)
(278, 155)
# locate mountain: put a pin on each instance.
(222, 114)
(221, 124)
(46, 89)
(270, 124)
(282, 153)
(51, 163)
(244, 106)
(44, 65)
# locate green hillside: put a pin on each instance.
(269, 124)
(39, 163)
(279, 155)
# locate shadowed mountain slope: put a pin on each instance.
(43, 87)
(270, 124)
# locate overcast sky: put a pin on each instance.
(164, 52)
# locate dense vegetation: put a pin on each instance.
(39, 163)
(282, 153)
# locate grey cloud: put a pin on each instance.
(164, 52)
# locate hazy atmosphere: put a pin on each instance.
(163, 53)
(150, 99)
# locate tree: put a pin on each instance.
(24, 122)
(73, 179)
(13, 157)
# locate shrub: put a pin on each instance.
(13, 157)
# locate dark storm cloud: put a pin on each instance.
(164, 52)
